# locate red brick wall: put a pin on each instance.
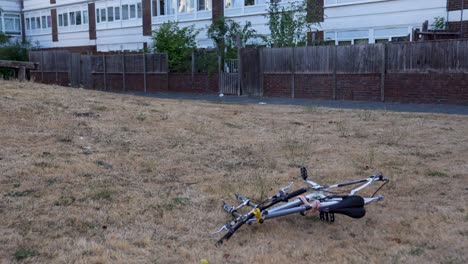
(92, 20)
(53, 15)
(316, 86)
(456, 27)
(277, 85)
(217, 9)
(202, 83)
(427, 88)
(456, 5)
(146, 17)
(358, 87)
(75, 49)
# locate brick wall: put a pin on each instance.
(202, 83)
(427, 88)
(277, 85)
(449, 88)
(456, 27)
(358, 87)
(456, 5)
(75, 49)
(316, 86)
(217, 9)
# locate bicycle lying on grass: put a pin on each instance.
(321, 199)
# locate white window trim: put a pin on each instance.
(356, 2)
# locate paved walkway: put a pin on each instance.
(420, 108)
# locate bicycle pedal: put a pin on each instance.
(327, 217)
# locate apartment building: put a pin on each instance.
(114, 25)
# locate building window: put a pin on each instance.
(72, 18)
(27, 24)
(117, 13)
(139, 11)
(132, 11)
(78, 18)
(11, 24)
(85, 17)
(98, 17)
(110, 14)
(103, 15)
(60, 20)
(125, 12)
(65, 20)
(49, 21)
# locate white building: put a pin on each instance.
(10, 18)
(110, 25)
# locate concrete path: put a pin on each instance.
(420, 108)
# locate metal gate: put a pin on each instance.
(229, 78)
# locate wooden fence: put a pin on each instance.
(118, 72)
(344, 64)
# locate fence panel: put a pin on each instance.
(443, 56)
(134, 63)
(359, 58)
(277, 60)
(114, 63)
(316, 59)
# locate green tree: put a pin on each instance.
(12, 50)
(177, 42)
(288, 24)
(224, 32)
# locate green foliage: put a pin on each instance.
(177, 42)
(439, 23)
(206, 61)
(288, 25)
(25, 253)
(224, 32)
(15, 51)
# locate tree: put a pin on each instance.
(224, 32)
(177, 42)
(288, 25)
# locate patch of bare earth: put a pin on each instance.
(94, 177)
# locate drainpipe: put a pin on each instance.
(23, 29)
(461, 19)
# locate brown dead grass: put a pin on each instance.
(92, 177)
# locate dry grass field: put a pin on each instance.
(93, 177)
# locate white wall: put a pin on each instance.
(389, 17)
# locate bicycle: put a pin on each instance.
(321, 200)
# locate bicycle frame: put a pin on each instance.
(318, 200)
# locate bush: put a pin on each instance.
(14, 51)
(178, 43)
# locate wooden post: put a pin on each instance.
(239, 65)
(123, 72)
(105, 71)
(55, 67)
(70, 69)
(335, 53)
(144, 71)
(193, 69)
(382, 73)
(260, 54)
(292, 75)
(22, 73)
(42, 66)
(220, 75)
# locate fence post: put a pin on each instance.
(42, 66)
(220, 75)
(144, 71)
(239, 65)
(123, 72)
(55, 67)
(70, 69)
(260, 54)
(105, 71)
(335, 51)
(382, 73)
(293, 87)
(193, 69)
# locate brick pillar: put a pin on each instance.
(92, 20)
(146, 17)
(218, 9)
(315, 11)
(53, 15)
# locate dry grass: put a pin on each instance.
(91, 177)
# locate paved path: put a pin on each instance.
(421, 108)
